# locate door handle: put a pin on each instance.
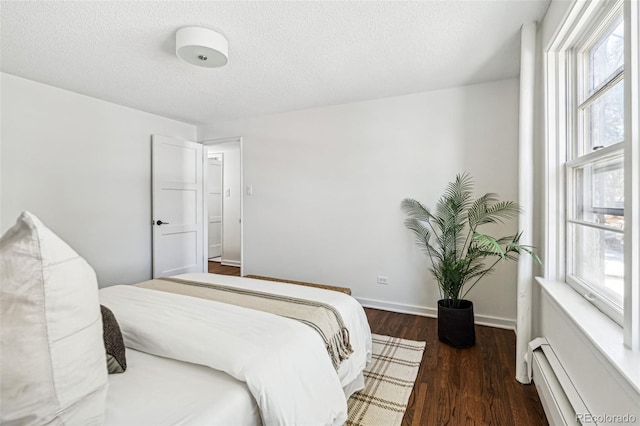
(159, 222)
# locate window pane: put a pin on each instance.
(606, 56)
(598, 190)
(598, 260)
(604, 119)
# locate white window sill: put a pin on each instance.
(603, 332)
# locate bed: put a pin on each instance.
(158, 389)
(197, 354)
(163, 391)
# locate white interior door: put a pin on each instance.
(214, 204)
(176, 180)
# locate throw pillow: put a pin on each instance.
(52, 360)
(113, 342)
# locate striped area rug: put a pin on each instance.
(388, 381)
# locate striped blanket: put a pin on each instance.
(323, 318)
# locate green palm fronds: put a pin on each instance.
(449, 236)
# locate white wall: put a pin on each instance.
(231, 181)
(328, 183)
(84, 167)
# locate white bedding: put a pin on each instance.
(158, 391)
(284, 398)
(352, 314)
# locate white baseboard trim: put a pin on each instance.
(487, 320)
(230, 262)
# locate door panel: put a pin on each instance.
(179, 206)
(178, 163)
(183, 250)
(177, 202)
(214, 205)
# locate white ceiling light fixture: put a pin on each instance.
(202, 47)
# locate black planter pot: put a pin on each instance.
(455, 325)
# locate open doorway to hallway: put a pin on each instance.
(223, 205)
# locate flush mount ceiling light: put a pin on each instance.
(202, 47)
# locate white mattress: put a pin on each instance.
(158, 391)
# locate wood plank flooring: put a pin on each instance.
(218, 268)
(474, 386)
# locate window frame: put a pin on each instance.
(578, 101)
(558, 64)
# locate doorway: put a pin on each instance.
(214, 189)
(223, 204)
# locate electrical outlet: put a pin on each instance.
(383, 280)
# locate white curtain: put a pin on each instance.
(525, 191)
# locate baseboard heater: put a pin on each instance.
(560, 399)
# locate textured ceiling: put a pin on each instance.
(282, 55)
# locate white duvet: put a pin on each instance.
(352, 314)
(283, 362)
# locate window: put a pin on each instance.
(595, 165)
(592, 158)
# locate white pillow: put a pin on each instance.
(52, 357)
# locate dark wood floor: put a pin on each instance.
(475, 386)
(218, 268)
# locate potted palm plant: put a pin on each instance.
(460, 255)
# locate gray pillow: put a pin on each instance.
(113, 342)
